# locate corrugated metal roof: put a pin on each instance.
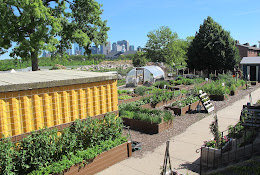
(250, 60)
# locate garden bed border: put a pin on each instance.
(183, 110)
(149, 128)
(103, 160)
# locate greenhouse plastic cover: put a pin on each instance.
(150, 73)
(155, 70)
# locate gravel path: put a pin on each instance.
(180, 124)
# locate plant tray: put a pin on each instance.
(103, 160)
(145, 127)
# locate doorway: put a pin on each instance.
(252, 73)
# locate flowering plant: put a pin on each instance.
(213, 143)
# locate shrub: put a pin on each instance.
(233, 88)
(140, 90)
(7, 155)
(46, 152)
(161, 84)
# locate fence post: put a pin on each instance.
(236, 147)
(221, 148)
(245, 145)
(200, 159)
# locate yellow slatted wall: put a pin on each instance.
(25, 111)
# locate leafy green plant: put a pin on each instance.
(185, 101)
(121, 82)
(235, 131)
(140, 90)
(148, 115)
(7, 155)
(124, 97)
(123, 91)
(46, 152)
(37, 150)
(161, 84)
(233, 88)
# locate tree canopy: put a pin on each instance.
(53, 25)
(163, 45)
(139, 59)
(212, 48)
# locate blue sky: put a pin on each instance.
(133, 19)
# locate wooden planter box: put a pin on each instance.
(232, 93)
(254, 83)
(132, 99)
(218, 97)
(162, 103)
(145, 127)
(210, 155)
(183, 110)
(103, 160)
(241, 87)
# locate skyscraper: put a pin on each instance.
(105, 48)
(114, 45)
(81, 50)
(76, 49)
(94, 50)
(131, 48)
(124, 42)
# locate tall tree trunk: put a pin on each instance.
(34, 61)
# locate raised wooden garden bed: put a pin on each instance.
(254, 83)
(218, 97)
(209, 156)
(103, 160)
(183, 110)
(132, 99)
(232, 93)
(162, 103)
(149, 128)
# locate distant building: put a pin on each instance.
(251, 68)
(105, 48)
(44, 54)
(114, 47)
(116, 54)
(69, 51)
(245, 50)
(124, 42)
(131, 48)
(94, 50)
(139, 48)
(81, 50)
(76, 49)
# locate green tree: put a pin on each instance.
(212, 48)
(36, 25)
(139, 59)
(163, 45)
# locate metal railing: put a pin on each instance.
(241, 144)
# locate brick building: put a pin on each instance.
(245, 50)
